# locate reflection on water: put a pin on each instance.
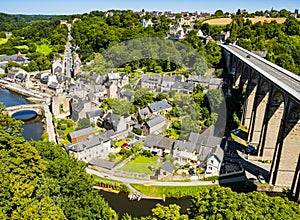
(24, 115)
(121, 204)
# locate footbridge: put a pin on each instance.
(271, 112)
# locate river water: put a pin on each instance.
(121, 204)
(32, 129)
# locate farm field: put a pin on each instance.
(224, 21)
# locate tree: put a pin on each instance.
(83, 123)
(121, 107)
(170, 212)
(219, 13)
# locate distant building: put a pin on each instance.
(17, 58)
(176, 32)
(222, 37)
(147, 23)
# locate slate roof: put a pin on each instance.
(90, 142)
(144, 113)
(102, 163)
(125, 93)
(113, 120)
(94, 113)
(151, 79)
(81, 132)
(186, 146)
(206, 138)
(218, 153)
(159, 142)
(155, 121)
(183, 86)
(167, 166)
(158, 106)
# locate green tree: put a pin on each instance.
(83, 123)
(170, 212)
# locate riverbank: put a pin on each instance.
(28, 93)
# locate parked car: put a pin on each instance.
(252, 180)
(124, 145)
(235, 131)
(261, 179)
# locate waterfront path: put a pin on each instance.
(19, 89)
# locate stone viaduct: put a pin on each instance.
(271, 113)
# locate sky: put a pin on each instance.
(66, 7)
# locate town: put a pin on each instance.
(146, 99)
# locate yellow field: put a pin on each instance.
(224, 21)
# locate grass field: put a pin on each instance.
(170, 191)
(140, 164)
(3, 40)
(224, 21)
(43, 48)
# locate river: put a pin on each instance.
(121, 204)
(32, 129)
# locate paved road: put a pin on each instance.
(49, 124)
(158, 183)
(290, 83)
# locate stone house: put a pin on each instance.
(158, 144)
(150, 82)
(112, 91)
(154, 125)
(91, 147)
(185, 152)
(115, 122)
(94, 115)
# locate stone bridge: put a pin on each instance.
(271, 112)
(34, 107)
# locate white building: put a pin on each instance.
(214, 162)
(95, 146)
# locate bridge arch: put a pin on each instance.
(273, 118)
(284, 171)
(259, 109)
(34, 107)
(249, 99)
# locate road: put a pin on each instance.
(49, 124)
(159, 183)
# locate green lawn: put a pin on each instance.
(140, 164)
(43, 48)
(170, 191)
(3, 40)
